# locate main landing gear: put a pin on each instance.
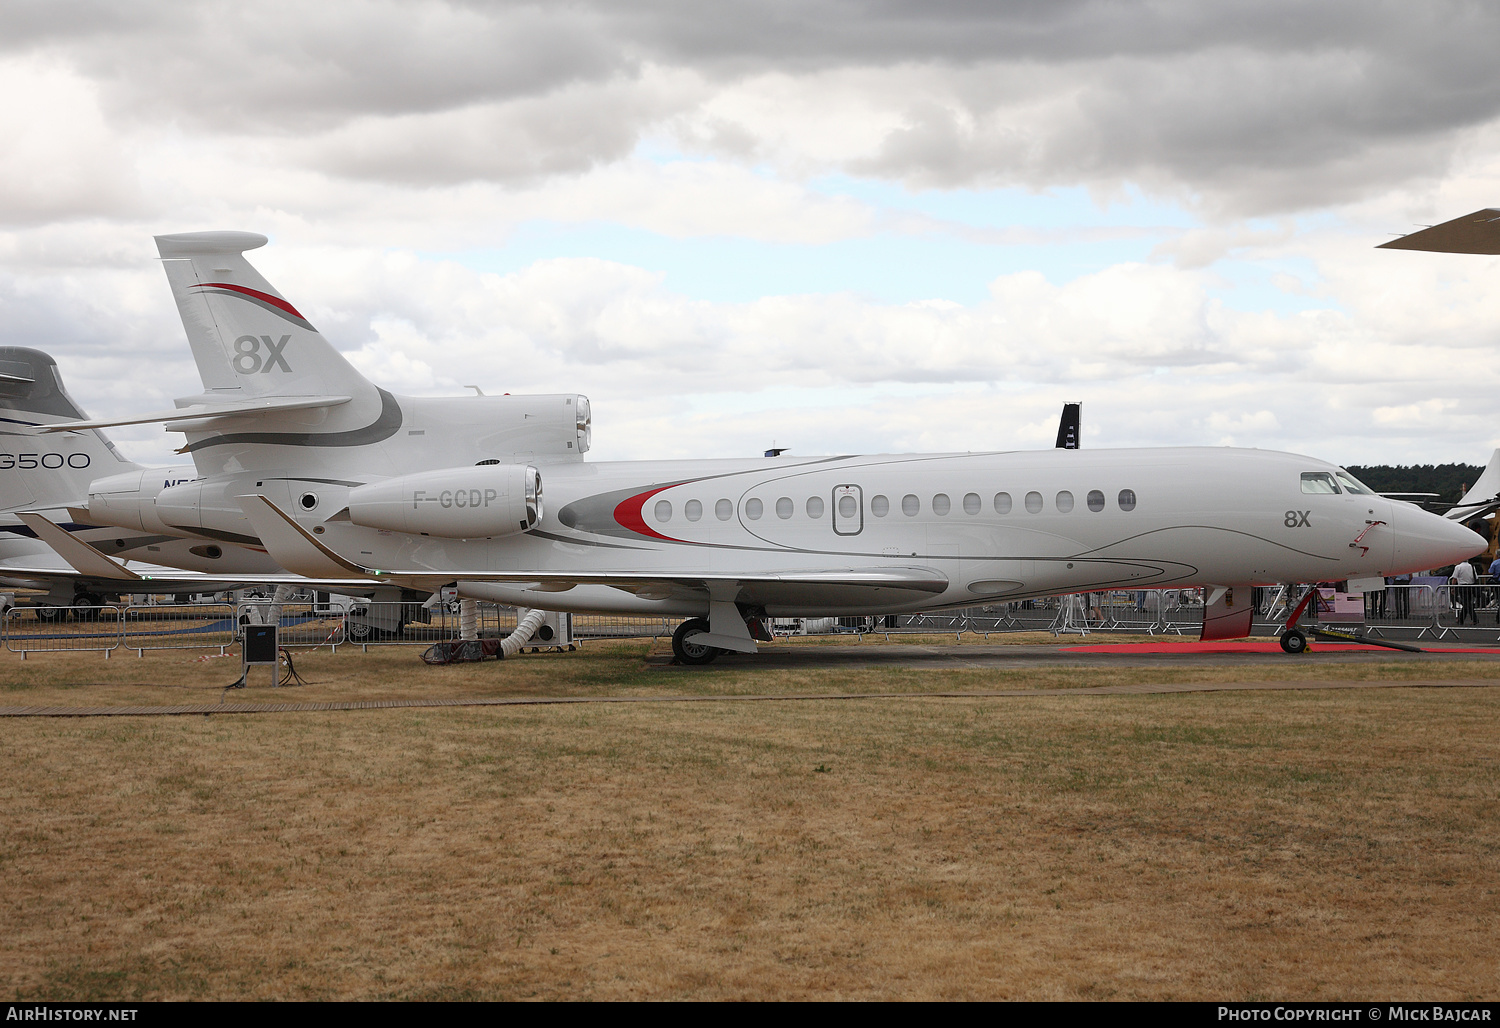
(692, 652)
(1293, 641)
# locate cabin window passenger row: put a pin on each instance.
(663, 511)
(942, 505)
(692, 510)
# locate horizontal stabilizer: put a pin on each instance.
(1482, 495)
(203, 411)
(1473, 233)
(84, 558)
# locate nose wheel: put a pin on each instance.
(1293, 641)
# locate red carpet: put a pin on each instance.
(1254, 646)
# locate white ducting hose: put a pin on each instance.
(527, 622)
(273, 613)
(468, 619)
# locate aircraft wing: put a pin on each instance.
(36, 572)
(78, 560)
(296, 549)
(1473, 233)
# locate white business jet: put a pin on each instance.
(299, 453)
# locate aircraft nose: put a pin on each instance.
(1425, 540)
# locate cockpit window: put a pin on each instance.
(1318, 482)
(1353, 485)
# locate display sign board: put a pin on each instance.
(1340, 608)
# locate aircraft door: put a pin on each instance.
(848, 510)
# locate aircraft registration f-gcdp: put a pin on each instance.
(299, 453)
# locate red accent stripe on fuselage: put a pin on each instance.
(628, 513)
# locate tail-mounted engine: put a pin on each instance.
(454, 503)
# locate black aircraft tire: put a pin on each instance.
(1293, 641)
(692, 653)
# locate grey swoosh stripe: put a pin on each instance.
(380, 429)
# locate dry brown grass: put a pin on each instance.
(1248, 845)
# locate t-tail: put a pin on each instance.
(39, 470)
(247, 339)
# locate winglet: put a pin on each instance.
(292, 546)
(84, 558)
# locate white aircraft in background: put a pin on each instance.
(297, 452)
(42, 475)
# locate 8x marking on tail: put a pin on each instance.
(247, 359)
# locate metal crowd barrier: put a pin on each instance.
(301, 624)
(1409, 611)
(621, 626)
(180, 626)
(1467, 612)
(57, 629)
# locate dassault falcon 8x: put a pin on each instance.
(299, 453)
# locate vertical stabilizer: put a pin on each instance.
(247, 339)
(1482, 495)
(44, 471)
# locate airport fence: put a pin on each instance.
(1469, 613)
(59, 629)
(417, 624)
(1399, 611)
(180, 626)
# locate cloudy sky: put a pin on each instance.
(840, 226)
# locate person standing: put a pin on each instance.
(1495, 584)
(1463, 583)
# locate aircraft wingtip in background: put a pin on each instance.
(1473, 233)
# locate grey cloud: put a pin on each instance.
(1252, 106)
(291, 67)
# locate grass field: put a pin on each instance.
(1327, 844)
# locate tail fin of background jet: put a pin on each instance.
(1482, 496)
(40, 471)
(247, 340)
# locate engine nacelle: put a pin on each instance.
(456, 503)
(128, 500)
